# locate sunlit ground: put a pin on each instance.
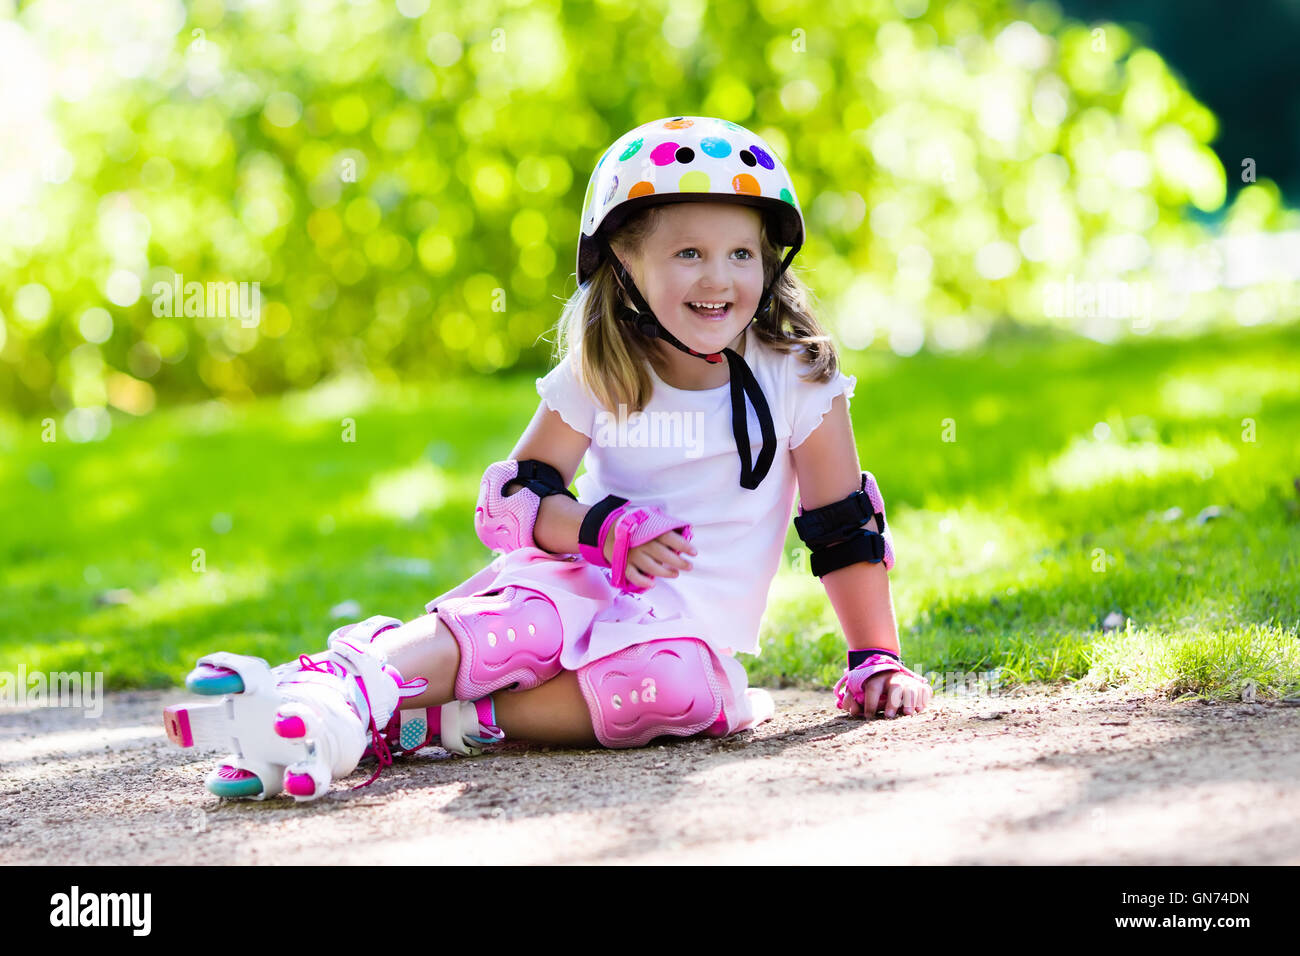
(1076, 490)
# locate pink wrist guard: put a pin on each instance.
(854, 679)
(632, 526)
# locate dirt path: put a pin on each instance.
(1044, 778)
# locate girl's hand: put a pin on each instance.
(657, 558)
(891, 692)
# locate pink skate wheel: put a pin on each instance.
(291, 727)
(299, 784)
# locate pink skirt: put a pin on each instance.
(600, 620)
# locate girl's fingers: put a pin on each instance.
(887, 699)
(633, 571)
(677, 542)
(871, 693)
(638, 577)
(668, 557)
(895, 696)
(651, 566)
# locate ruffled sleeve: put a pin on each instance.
(810, 401)
(562, 392)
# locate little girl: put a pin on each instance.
(612, 617)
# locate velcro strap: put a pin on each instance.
(864, 545)
(835, 522)
(460, 730)
(856, 658)
(589, 530)
(541, 479)
(623, 532)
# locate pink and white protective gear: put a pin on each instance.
(872, 491)
(459, 726)
(297, 727)
(510, 637)
(632, 526)
(660, 687)
(506, 522)
(838, 533)
(853, 681)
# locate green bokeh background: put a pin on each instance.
(405, 190)
(404, 185)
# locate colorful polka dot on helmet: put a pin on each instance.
(686, 159)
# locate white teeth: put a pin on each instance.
(710, 305)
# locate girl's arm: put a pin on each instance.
(548, 438)
(828, 471)
(559, 518)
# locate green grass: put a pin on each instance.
(1015, 541)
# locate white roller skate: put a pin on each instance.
(300, 726)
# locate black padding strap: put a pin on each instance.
(589, 530)
(837, 535)
(857, 657)
(865, 545)
(541, 479)
(835, 522)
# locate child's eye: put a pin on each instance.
(748, 254)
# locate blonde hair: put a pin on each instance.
(612, 354)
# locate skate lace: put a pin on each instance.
(378, 739)
(378, 743)
(324, 667)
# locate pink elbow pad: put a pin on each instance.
(506, 522)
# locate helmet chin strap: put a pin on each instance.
(742, 378)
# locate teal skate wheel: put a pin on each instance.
(228, 781)
(210, 681)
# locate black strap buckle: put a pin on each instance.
(865, 545)
(589, 530)
(856, 658)
(541, 479)
(835, 522)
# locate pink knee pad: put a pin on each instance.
(647, 690)
(508, 636)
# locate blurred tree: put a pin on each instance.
(403, 184)
(1242, 67)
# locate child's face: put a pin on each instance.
(702, 252)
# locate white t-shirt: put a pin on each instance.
(680, 455)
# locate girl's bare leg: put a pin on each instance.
(553, 713)
(424, 648)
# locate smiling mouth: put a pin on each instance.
(711, 313)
